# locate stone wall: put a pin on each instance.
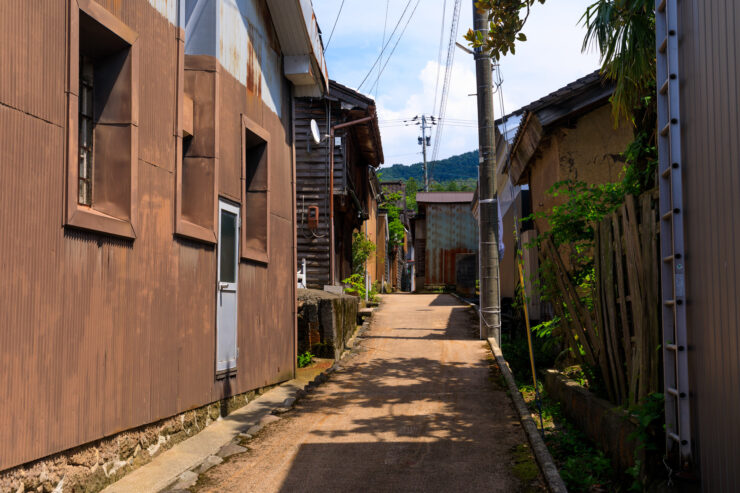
(93, 466)
(326, 322)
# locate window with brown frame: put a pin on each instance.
(255, 192)
(102, 133)
(196, 202)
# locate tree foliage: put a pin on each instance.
(624, 33)
(396, 230)
(362, 248)
(458, 167)
(506, 19)
(412, 187)
(622, 30)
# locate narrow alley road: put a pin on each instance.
(414, 409)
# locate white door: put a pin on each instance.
(226, 287)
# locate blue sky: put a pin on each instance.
(550, 59)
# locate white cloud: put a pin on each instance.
(550, 59)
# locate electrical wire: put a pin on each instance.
(397, 41)
(439, 54)
(385, 24)
(334, 26)
(446, 86)
(380, 56)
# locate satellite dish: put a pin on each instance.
(315, 133)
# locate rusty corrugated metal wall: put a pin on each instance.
(97, 334)
(450, 229)
(709, 60)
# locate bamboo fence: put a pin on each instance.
(621, 334)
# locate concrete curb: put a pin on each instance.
(179, 467)
(547, 465)
(544, 459)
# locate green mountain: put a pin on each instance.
(462, 167)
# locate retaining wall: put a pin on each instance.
(605, 425)
(326, 322)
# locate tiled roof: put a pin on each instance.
(565, 92)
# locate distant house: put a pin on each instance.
(445, 232)
(147, 227)
(358, 151)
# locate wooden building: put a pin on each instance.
(358, 151)
(146, 177)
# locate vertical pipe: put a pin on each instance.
(490, 311)
(294, 186)
(331, 206)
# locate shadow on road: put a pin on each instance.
(427, 420)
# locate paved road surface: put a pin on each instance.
(415, 409)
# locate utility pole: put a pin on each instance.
(490, 303)
(424, 142)
(424, 151)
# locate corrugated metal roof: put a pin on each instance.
(444, 197)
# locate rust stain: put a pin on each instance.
(270, 32)
(250, 67)
(254, 77)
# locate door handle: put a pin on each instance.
(223, 285)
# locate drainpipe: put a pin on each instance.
(340, 126)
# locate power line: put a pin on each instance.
(397, 41)
(439, 53)
(386, 45)
(448, 74)
(385, 24)
(334, 26)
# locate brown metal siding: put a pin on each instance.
(35, 31)
(709, 60)
(98, 335)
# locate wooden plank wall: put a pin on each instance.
(312, 187)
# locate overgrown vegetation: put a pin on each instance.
(583, 467)
(305, 359)
(362, 248)
(396, 230)
(355, 284)
(412, 188)
(650, 415)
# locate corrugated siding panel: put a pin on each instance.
(312, 189)
(30, 222)
(97, 334)
(450, 229)
(710, 56)
(32, 58)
